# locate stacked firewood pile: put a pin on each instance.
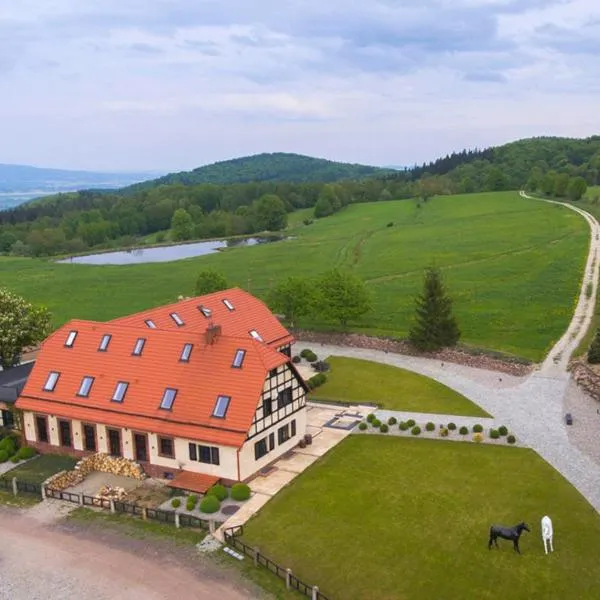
(117, 465)
(65, 479)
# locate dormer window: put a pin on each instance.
(150, 324)
(85, 387)
(256, 335)
(168, 398)
(139, 347)
(228, 304)
(51, 381)
(178, 320)
(71, 339)
(238, 360)
(120, 391)
(221, 407)
(205, 311)
(185, 353)
(104, 342)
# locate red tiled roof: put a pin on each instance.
(208, 374)
(193, 482)
(248, 313)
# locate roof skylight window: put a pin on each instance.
(150, 323)
(71, 339)
(168, 398)
(228, 304)
(178, 320)
(51, 381)
(86, 386)
(221, 406)
(104, 342)
(205, 310)
(139, 347)
(185, 353)
(120, 391)
(238, 360)
(256, 335)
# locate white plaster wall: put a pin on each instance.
(127, 443)
(29, 427)
(249, 465)
(77, 435)
(53, 431)
(102, 439)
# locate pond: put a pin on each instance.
(167, 253)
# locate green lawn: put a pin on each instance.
(42, 467)
(355, 380)
(403, 519)
(512, 266)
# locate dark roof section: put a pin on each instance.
(12, 381)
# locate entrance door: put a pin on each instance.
(140, 442)
(114, 442)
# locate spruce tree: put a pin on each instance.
(593, 355)
(435, 326)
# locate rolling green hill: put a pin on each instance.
(278, 166)
(512, 265)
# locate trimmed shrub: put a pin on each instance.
(376, 423)
(240, 491)
(477, 428)
(392, 421)
(384, 428)
(191, 502)
(9, 445)
(316, 380)
(444, 432)
(14, 459)
(451, 426)
(26, 452)
(308, 355)
(296, 359)
(502, 430)
(371, 417)
(176, 502)
(478, 437)
(494, 434)
(3, 456)
(511, 439)
(416, 430)
(403, 426)
(411, 422)
(219, 491)
(210, 504)
(362, 426)
(430, 426)
(463, 430)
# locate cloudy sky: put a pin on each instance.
(172, 84)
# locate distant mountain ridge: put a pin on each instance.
(265, 167)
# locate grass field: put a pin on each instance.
(512, 265)
(404, 519)
(42, 467)
(355, 380)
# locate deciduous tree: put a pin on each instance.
(21, 324)
(210, 281)
(182, 226)
(577, 188)
(294, 297)
(435, 326)
(343, 296)
(269, 213)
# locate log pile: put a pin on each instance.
(586, 377)
(117, 465)
(64, 479)
(108, 492)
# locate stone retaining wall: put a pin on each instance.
(586, 377)
(461, 357)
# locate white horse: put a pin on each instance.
(547, 533)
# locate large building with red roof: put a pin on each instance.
(200, 390)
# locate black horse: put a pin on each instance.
(508, 533)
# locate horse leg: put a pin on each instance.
(545, 546)
(491, 540)
(551, 546)
(516, 545)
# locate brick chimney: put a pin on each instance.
(212, 333)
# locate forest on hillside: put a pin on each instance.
(75, 222)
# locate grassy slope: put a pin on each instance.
(40, 468)
(354, 380)
(392, 518)
(513, 267)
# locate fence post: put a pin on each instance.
(288, 578)
(315, 592)
(112, 506)
(80, 496)
(177, 523)
(14, 486)
(256, 553)
(43, 492)
(211, 526)
(144, 514)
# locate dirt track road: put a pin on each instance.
(51, 563)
